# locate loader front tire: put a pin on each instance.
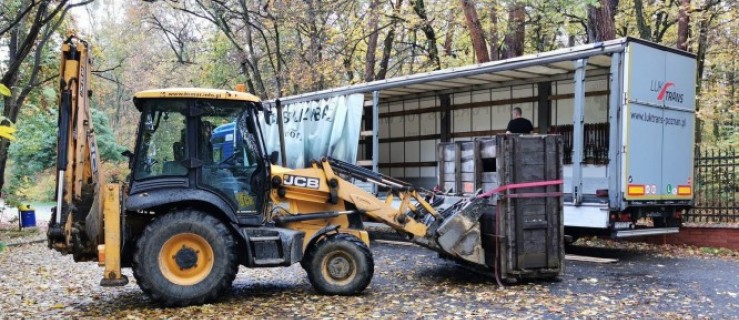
(339, 265)
(185, 258)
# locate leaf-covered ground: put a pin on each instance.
(409, 283)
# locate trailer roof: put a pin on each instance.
(544, 66)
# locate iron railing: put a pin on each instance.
(716, 187)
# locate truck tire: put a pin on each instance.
(339, 265)
(185, 257)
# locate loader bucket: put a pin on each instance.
(459, 233)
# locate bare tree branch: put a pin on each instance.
(18, 18)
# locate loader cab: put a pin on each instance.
(198, 147)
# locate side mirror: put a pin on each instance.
(129, 155)
(268, 116)
(273, 157)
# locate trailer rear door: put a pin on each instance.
(658, 116)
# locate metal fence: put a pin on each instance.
(716, 187)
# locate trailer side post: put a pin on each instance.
(578, 122)
(614, 145)
(375, 135)
(544, 106)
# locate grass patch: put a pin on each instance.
(13, 233)
(716, 251)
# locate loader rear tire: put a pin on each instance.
(185, 258)
(339, 265)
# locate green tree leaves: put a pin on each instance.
(34, 150)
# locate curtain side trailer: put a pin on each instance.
(625, 109)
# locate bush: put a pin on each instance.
(33, 155)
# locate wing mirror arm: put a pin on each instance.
(130, 156)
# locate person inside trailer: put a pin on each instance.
(519, 124)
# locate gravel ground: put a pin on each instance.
(409, 282)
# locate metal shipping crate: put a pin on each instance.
(531, 219)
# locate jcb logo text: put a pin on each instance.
(300, 181)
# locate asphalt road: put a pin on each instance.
(409, 283)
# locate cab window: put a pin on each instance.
(228, 162)
(163, 142)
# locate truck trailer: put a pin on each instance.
(624, 107)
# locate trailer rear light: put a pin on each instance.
(684, 190)
(637, 189)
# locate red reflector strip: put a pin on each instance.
(684, 190)
(637, 189)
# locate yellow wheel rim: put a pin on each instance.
(186, 259)
(339, 268)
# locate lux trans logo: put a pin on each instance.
(663, 93)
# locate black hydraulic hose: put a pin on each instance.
(65, 108)
(310, 216)
(63, 137)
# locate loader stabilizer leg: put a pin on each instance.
(111, 250)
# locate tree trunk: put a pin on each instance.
(247, 75)
(4, 146)
(703, 28)
(645, 32)
(387, 45)
(601, 26)
(370, 59)
(683, 25)
(276, 59)
(19, 47)
(315, 48)
(494, 45)
(516, 34)
(252, 58)
(473, 24)
(449, 37)
(433, 53)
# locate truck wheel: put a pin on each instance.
(340, 265)
(184, 258)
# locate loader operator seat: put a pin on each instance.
(224, 166)
(178, 154)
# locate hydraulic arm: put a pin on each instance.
(454, 231)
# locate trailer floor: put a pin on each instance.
(409, 282)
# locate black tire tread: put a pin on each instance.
(363, 249)
(189, 215)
